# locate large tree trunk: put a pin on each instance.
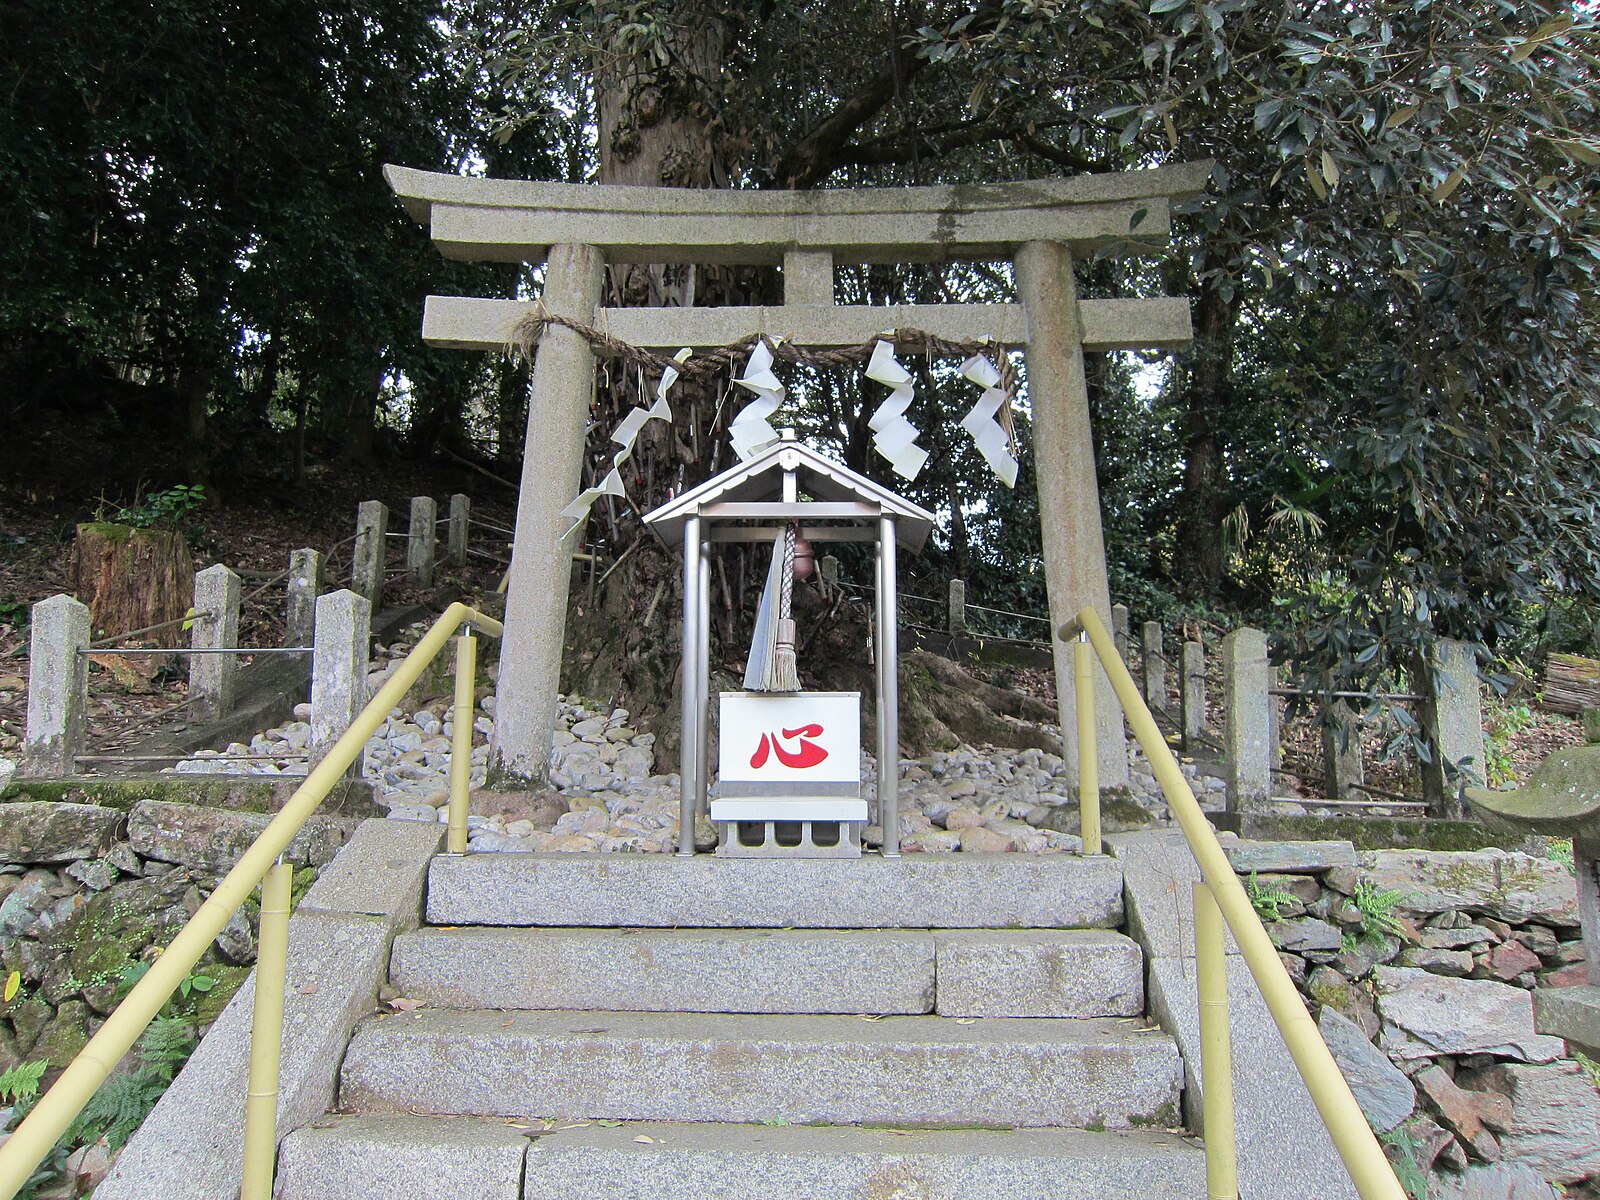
(1199, 559)
(653, 132)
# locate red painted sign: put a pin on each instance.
(808, 755)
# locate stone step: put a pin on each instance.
(658, 970)
(750, 1069)
(402, 1157)
(981, 973)
(919, 891)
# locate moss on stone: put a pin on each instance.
(208, 1006)
(1379, 833)
(1340, 997)
(233, 792)
(67, 1033)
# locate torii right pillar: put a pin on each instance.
(1069, 493)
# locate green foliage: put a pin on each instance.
(13, 612)
(1559, 850)
(116, 1110)
(21, 1082)
(180, 1005)
(1402, 1146)
(1377, 908)
(168, 509)
(1590, 1067)
(1267, 899)
(1502, 723)
(126, 1098)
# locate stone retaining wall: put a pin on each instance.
(1429, 1009)
(89, 893)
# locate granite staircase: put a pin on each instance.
(961, 1027)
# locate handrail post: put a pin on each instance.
(1088, 762)
(1352, 1136)
(1216, 1048)
(266, 1035)
(55, 1111)
(461, 740)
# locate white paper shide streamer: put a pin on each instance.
(986, 432)
(751, 430)
(625, 435)
(893, 436)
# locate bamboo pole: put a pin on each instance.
(1358, 1148)
(266, 1036)
(1216, 1049)
(57, 1108)
(461, 741)
(1088, 763)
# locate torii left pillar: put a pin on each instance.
(541, 561)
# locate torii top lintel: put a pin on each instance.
(505, 220)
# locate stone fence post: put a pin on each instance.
(338, 670)
(212, 675)
(1119, 629)
(369, 551)
(1154, 658)
(58, 684)
(1192, 694)
(305, 585)
(1452, 713)
(422, 540)
(456, 534)
(1341, 752)
(1247, 738)
(958, 606)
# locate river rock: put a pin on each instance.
(1381, 1088)
(1426, 1014)
(1555, 1117)
(981, 840)
(47, 832)
(1517, 888)
(935, 841)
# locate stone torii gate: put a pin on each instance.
(1040, 226)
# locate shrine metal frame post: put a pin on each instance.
(1040, 227)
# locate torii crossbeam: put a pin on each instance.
(1040, 226)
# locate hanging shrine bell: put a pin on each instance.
(789, 761)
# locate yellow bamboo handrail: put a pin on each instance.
(1363, 1157)
(60, 1106)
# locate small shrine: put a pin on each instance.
(789, 761)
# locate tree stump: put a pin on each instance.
(1571, 683)
(133, 578)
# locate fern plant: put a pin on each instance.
(1267, 899)
(124, 1100)
(21, 1082)
(1377, 908)
(1403, 1145)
